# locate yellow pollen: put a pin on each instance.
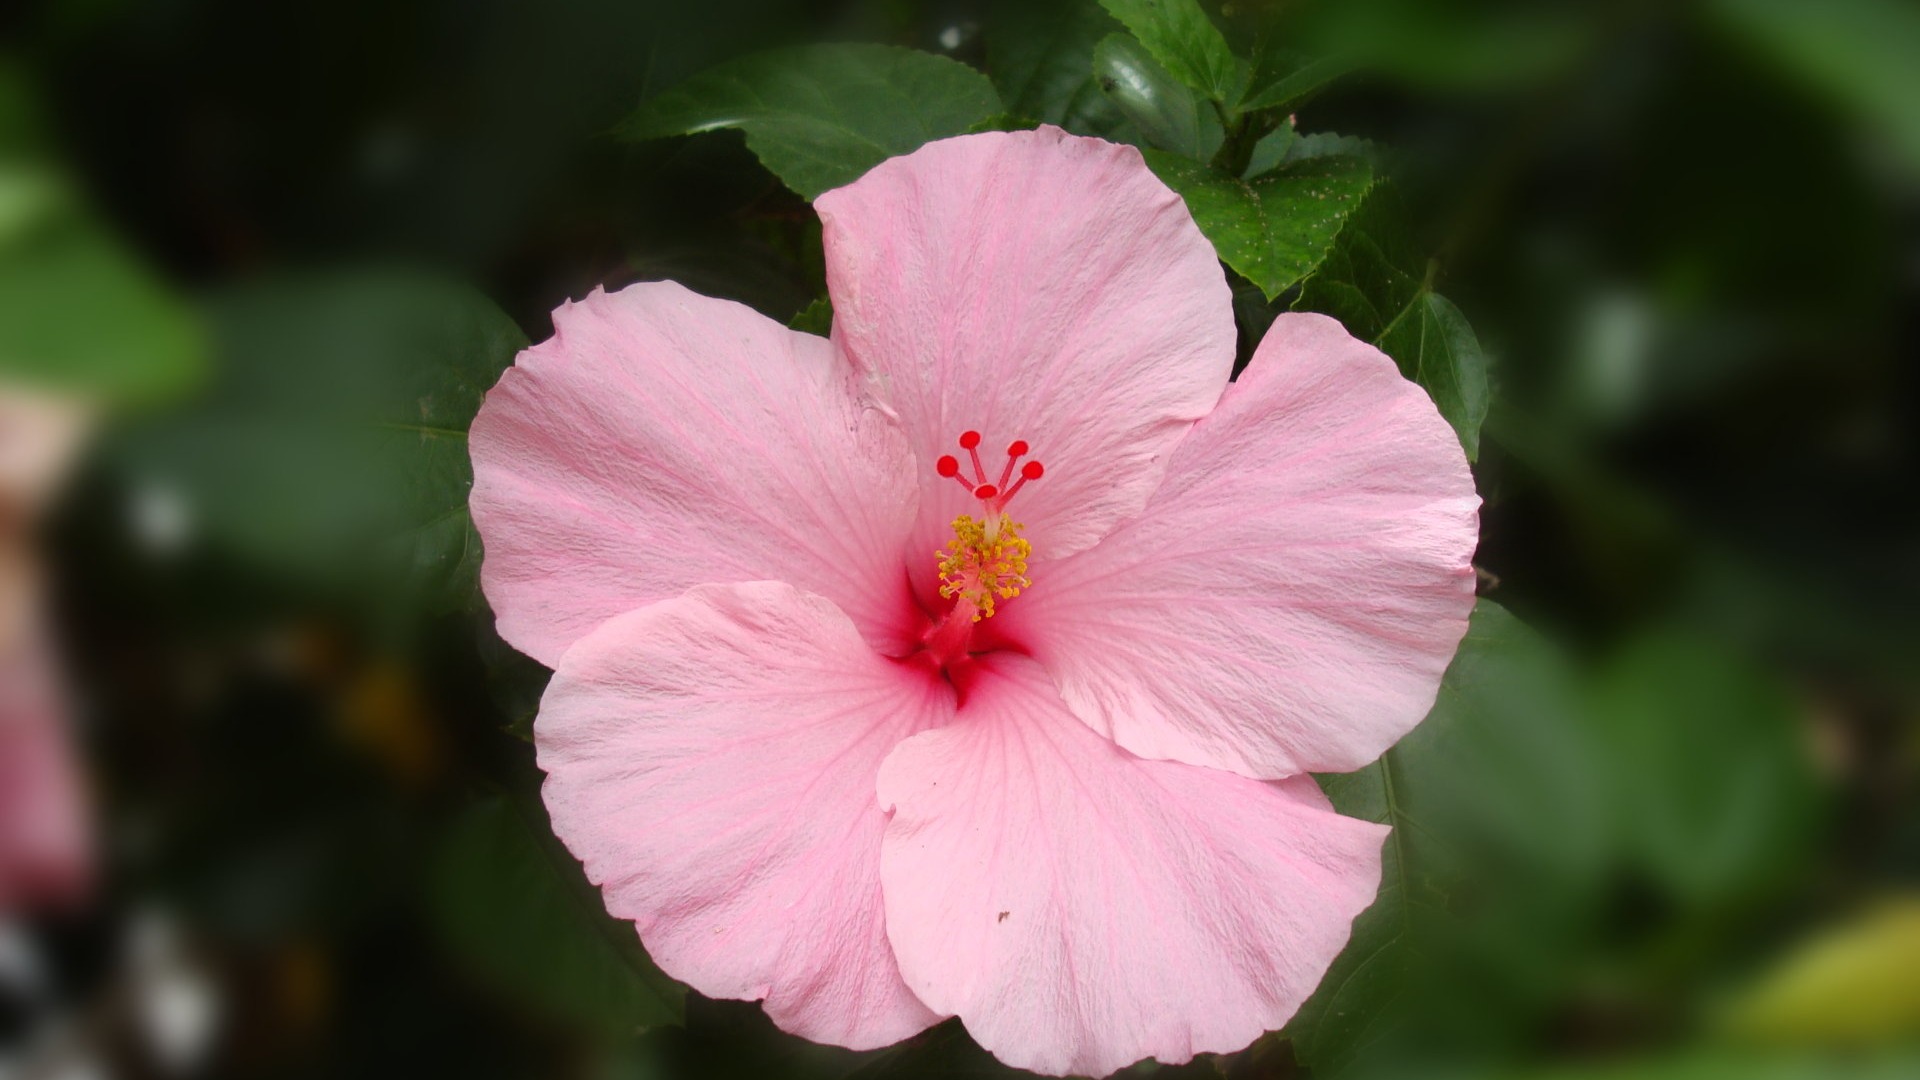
(983, 565)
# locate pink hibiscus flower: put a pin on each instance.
(856, 716)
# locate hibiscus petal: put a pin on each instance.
(662, 439)
(1080, 908)
(711, 759)
(1038, 286)
(1289, 600)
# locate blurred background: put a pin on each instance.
(267, 803)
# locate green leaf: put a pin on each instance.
(1380, 292)
(1328, 144)
(1860, 53)
(513, 905)
(819, 116)
(1712, 760)
(1005, 121)
(1285, 80)
(331, 450)
(1372, 276)
(816, 318)
(78, 312)
(1271, 150)
(1497, 839)
(515, 682)
(1185, 41)
(1360, 999)
(1437, 349)
(944, 1052)
(1273, 230)
(1040, 56)
(1167, 113)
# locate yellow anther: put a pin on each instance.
(982, 564)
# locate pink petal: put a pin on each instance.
(661, 440)
(711, 759)
(45, 850)
(41, 435)
(1289, 600)
(1038, 286)
(1080, 908)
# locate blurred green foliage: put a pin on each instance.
(1860, 52)
(78, 313)
(1653, 262)
(332, 448)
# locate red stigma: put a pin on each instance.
(995, 494)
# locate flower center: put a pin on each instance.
(987, 558)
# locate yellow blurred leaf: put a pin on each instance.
(1854, 983)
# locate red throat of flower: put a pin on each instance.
(986, 561)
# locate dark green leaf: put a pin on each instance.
(1167, 113)
(946, 1052)
(1185, 41)
(1382, 294)
(1005, 121)
(938, 1054)
(332, 447)
(515, 682)
(1285, 80)
(1271, 150)
(1040, 55)
(1327, 144)
(1273, 230)
(819, 116)
(816, 318)
(1372, 274)
(1861, 53)
(1361, 999)
(513, 905)
(1437, 349)
(1497, 837)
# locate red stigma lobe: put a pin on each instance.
(994, 494)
